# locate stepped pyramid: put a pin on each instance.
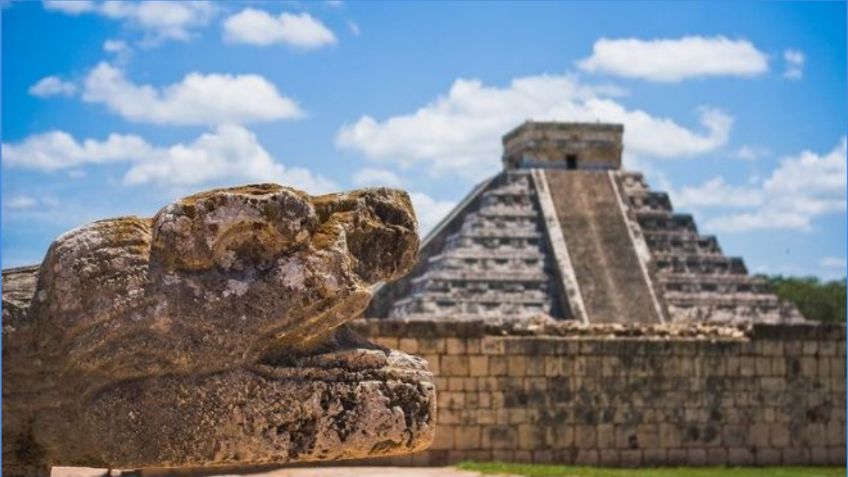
(564, 231)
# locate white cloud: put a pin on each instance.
(794, 68)
(750, 153)
(833, 263)
(70, 7)
(157, 20)
(353, 27)
(19, 202)
(257, 27)
(59, 150)
(717, 193)
(672, 60)
(376, 178)
(459, 133)
(227, 154)
(196, 99)
(799, 190)
(52, 86)
(120, 49)
(429, 211)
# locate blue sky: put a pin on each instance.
(737, 109)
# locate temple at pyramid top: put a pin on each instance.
(554, 145)
(563, 231)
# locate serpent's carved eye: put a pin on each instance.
(236, 229)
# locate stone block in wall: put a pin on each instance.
(739, 456)
(586, 457)
(451, 400)
(625, 437)
(516, 415)
(531, 437)
(810, 348)
(431, 346)
(444, 437)
(828, 348)
(492, 345)
(560, 434)
(795, 456)
(778, 366)
(747, 366)
(648, 436)
(516, 365)
(823, 367)
(503, 455)
(609, 457)
(808, 366)
(543, 457)
(630, 457)
(837, 368)
(676, 457)
(499, 437)
(835, 433)
(455, 346)
(606, 436)
(486, 416)
(455, 384)
(498, 365)
(758, 435)
(779, 435)
(717, 456)
(767, 456)
(669, 435)
(452, 365)
(836, 456)
(387, 341)
(585, 436)
(696, 457)
(408, 345)
(556, 365)
(653, 457)
(468, 437)
(534, 365)
(762, 365)
(478, 365)
(434, 363)
(819, 456)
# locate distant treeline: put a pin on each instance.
(816, 300)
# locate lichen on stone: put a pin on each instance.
(213, 334)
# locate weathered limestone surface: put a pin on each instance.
(629, 395)
(211, 334)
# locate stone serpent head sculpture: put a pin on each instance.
(213, 334)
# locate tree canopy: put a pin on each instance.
(816, 300)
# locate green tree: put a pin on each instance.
(816, 300)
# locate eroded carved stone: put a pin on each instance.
(211, 334)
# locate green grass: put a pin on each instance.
(536, 470)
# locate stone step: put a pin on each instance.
(488, 264)
(691, 283)
(686, 242)
(608, 271)
(698, 264)
(656, 220)
(721, 299)
(648, 200)
(484, 254)
(487, 276)
(633, 181)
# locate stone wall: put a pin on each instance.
(618, 396)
